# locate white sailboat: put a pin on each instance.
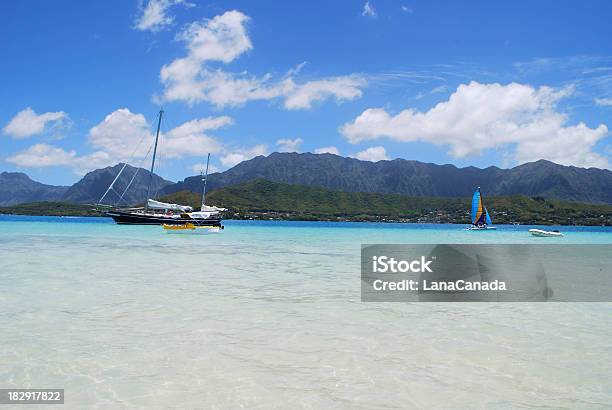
(160, 213)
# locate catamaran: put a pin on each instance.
(160, 213)
(480, 216)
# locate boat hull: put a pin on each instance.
(192, 229)
(481, 228)
(135, 218)
(543, 233)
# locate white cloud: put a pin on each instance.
(607, 102)
(231, 158)
(223, 39)
(125, 136)
(342, 88)
(42, 155)
(407, 9)
(373, 154)
(482, 116)
(289, 145)
(45, 155)
(27, 123)
(327, 150)
(122, 133)
(189, 139)
(368, 10)
(155, 15)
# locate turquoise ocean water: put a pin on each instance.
(268, 315)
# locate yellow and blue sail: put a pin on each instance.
(480, 215)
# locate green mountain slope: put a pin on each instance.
(50, 209)
(262, 199)
(414, 178)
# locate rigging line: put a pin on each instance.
(112, 183)
(122, 169)
(135, 173)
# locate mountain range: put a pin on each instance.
(16, 187)
(413, 178)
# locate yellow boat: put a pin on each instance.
(191, 228)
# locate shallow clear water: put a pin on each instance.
(268, 315)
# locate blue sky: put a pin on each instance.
(478, 83)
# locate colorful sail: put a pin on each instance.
(477, 208)
(480, 215)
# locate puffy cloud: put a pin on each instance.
(123, 135)
(223, 39)
(566, 145)
(607, 102)
(222, 89)
(234, 157)
(45, 155)
(155, 16)
(342, 88)
(27, 123)
(289, 145)
(368, 10)
(327, 150)
(482, 116)
(42, 155)
(189, 139)
(373, 154)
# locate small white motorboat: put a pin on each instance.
(541, 232)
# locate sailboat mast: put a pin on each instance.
(161, 113)
(205, 180)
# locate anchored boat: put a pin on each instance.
(191, 228)
(160, 213)
(202, 216)
(480, 216)
(542, 232)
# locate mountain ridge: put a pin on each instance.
(414, 178)
(94, 184)
(407, 177)
(17, 187)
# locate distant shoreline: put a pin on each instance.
(260, 199)
(267, 219)
(264, 200)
